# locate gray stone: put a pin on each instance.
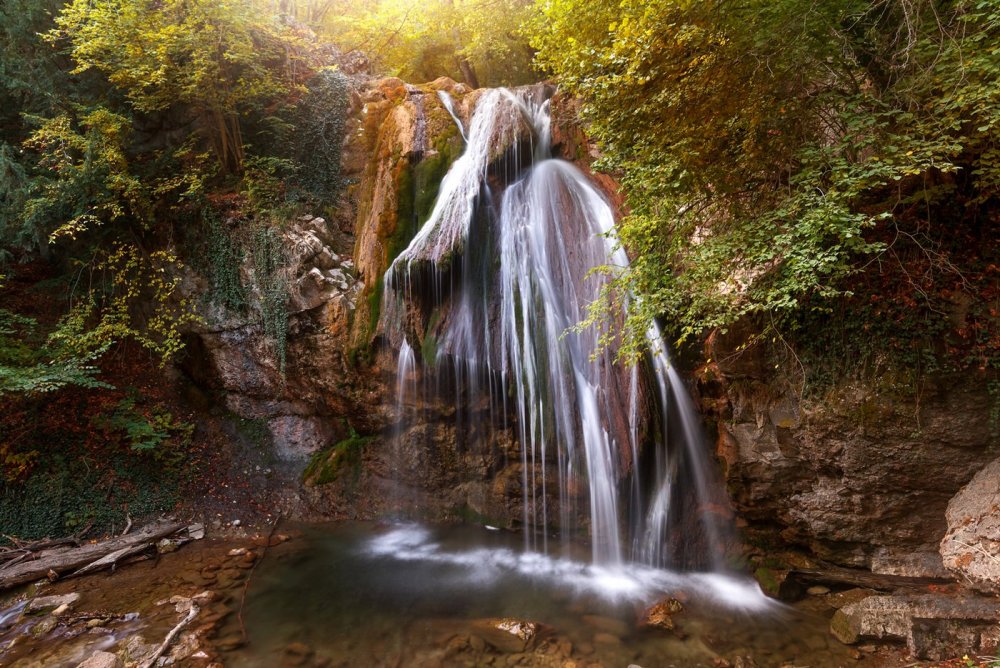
(296, 438)
(43, 604)
(917, 564)
(971, 547)
(101, 660)
(933, 626)
(44, 627)
(167, 545)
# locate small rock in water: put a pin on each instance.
(196, 531)
(523, 630)
(101, 660)
(43, 627)
(508, 635)
(660, 615)
(237, 552)
(230, 642)
(818, 590)
(297, 653)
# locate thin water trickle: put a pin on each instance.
(449, 105)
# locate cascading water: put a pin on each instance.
(505, 263)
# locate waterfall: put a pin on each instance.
(505, 262)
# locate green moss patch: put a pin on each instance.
(331, 463)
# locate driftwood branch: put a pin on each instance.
(246, 583)
(192, 613)
(86, 558)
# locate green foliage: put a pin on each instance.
(14, 193)
(271, 286)
(254, 249)
(149, 429)
(318, 137)
(31, 79)
(32, 364)
(106, 313)
(771, 150)
(223, 264)
(264, 180)
(222, 58)
(84, 179)
(68, 490)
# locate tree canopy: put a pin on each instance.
(772, 149)
(480, 42)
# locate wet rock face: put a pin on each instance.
(860, 478)
(971, 548)
(408, 141)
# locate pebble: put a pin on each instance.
(230, 642)
(818, 590)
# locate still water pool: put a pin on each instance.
(411, 595)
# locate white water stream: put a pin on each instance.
(515, 263)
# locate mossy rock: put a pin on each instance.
(770, 580)
(330, 464)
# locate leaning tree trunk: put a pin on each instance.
(468, 72)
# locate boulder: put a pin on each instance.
(43, 604)
(932, 626)
(971, 547)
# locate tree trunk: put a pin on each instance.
(468, 72)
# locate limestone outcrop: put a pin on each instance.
(971, 548)
(861, 476)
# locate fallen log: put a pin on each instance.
(838, 576)
(85, 558)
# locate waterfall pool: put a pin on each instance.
(364, 594)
